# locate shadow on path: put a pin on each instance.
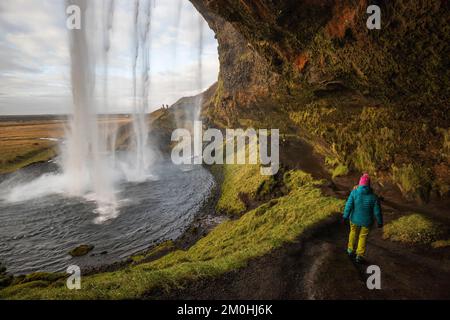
(316, 266)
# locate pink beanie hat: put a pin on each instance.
(364, 180)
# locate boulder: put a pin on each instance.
(81, 250)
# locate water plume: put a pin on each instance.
(189, 115)
(85, 164)
(138, 169)
(110, 132)
(90, 165)
(199, 73)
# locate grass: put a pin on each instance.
(239, 180)
(229, 246)
(441, 244)
(27, 141)
(414, 229)
(336, 168)
(340, 170)
(239, 184)
(381, 140)
(24, 142)
(412, 179)
(392, 105)
(25, 156)
(154, 252)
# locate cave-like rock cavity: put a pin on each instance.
(378, 99)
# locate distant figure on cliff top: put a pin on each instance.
(362, 208)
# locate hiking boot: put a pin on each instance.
(350, 253)
(360, 259)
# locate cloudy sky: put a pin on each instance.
(35, 56)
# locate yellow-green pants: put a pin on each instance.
(359, 234)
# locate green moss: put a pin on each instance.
(340, 170)
(400, 127)
(229, 246)
(441, 244)
(445, 142)
(81, 250)
(337, 169)
(295, 179)
(267, 187)
(247, 56)
(389, 100)
(371, 139)
(5, 280)
(331, 161)
(412, 180)
(27, 159)
(24, 287)
(219, 93)
(414, 228)
(239, 180)
(42, 276)
(165, 246)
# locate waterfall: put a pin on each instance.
(137, 170)
(174, 51)
(197, 108)
(86, 166)
(190, 117)
(91, 167)
(199, 73)
(90, 152)
(88, 141)
(110, 132)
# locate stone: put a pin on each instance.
(81, 250)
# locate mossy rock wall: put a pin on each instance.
(378, 99)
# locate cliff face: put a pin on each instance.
(312, 42)
(244, 74)
(373, 100)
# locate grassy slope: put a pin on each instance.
(237, 181)
(21, 142)
(230, 245)
(26, 156)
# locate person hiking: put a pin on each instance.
(361, 208)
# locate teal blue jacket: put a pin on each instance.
(362, 206)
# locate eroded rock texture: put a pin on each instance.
(376, 100)
(312, 42)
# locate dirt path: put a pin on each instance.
(317, 267)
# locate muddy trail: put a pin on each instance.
(316, 265)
